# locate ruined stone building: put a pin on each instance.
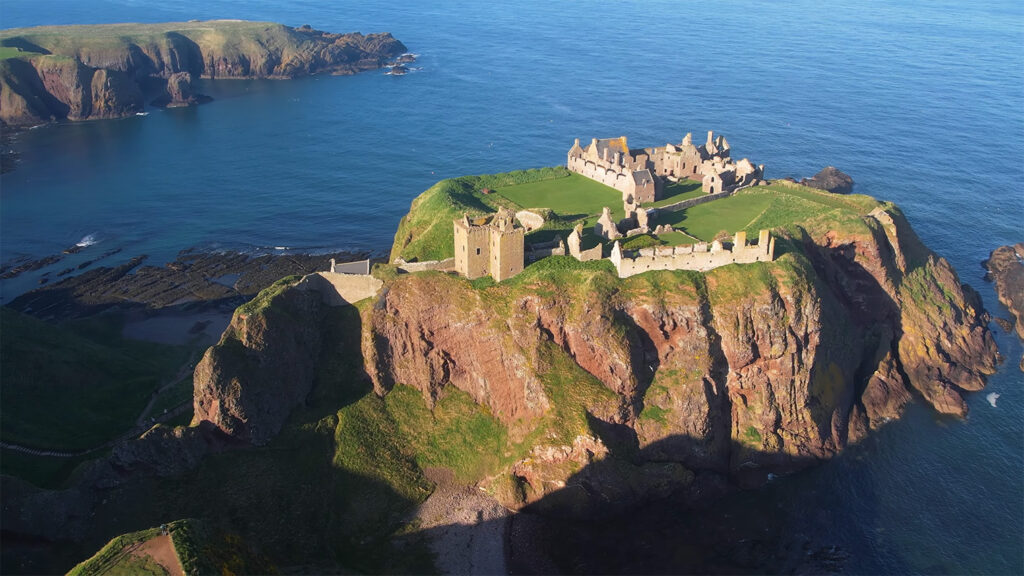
(640, 173)
(489, 245)
(700, 257)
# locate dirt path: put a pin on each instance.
(467, 528)
(161, 550)
(183, 371)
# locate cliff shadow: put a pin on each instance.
(606, 520)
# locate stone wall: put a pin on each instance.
(341, 289)
(684, 204)
(700, 257)
(446, 265)
(357, 267)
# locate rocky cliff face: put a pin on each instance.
(263, 367)
(97, 71)
(738, 372)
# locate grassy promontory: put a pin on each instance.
(566, 388)
(106, 70)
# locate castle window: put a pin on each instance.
(477, 251)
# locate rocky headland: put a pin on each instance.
(563, 392)
(105, 71)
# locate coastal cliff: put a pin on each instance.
(741, 371)
(81, 72)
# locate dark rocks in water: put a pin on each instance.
(398, 70)
(192, 278)
(830, 179)
(1005, 267)
(179, 92)
(13, 271)
(405, 59)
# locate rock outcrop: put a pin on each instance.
(1005, 267)
(85, 72)
(263, 367)
(830, 179)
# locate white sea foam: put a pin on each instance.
(992, 397)
(87, 240)
(142, 113)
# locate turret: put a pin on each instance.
(616, 255)
(740, 240)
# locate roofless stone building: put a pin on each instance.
(640, 173)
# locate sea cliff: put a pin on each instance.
(741, 371)
(102, 71)
(563, 391)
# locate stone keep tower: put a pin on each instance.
(489, 246)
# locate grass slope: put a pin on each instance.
(74, 40)
(63, 389)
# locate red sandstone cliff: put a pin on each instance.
(742, 370)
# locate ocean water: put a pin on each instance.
(922, 102)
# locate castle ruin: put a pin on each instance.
(489, 245)
(640, 173)
(700, 257)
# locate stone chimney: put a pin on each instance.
(711, 135)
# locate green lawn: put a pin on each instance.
(674, 192)
(705, 220)
(12, 52)
(762, 207)
(573, 195)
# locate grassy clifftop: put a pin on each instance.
(425, 233)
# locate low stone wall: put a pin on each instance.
(683, 205)
(550, 249)
(699, 257)
(341, 289)
(446, 265)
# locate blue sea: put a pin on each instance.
(921, 102)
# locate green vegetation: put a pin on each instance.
(262, 300)
(426, 232)
(777, 206)
(114, 558)
(42, 471)
(177, 394)
(752, 436)
(15, 52)
(63, 390)
(228, 36)
(572, 195)
(573, 393)
(458, 433)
